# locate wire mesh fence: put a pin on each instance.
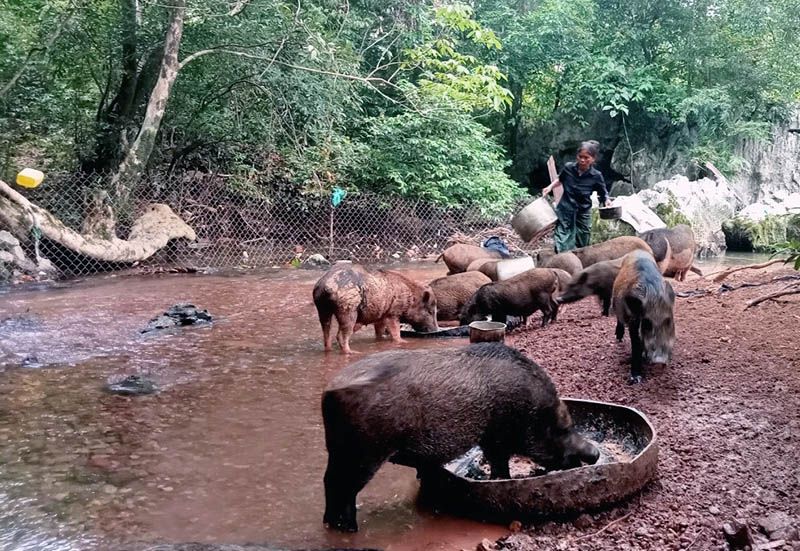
(242, 225)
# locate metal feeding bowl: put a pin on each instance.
(628, 461)
(610, 213)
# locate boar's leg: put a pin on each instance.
(346, 475)
(393, 324)
(325, 320)
(605, 299)
(637, 351)
(620, 331)
(498, 459)
(347, 321)
(380, 329)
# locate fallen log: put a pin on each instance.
(149, 233)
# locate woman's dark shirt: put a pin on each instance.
(578, 188)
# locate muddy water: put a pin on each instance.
(231, 449)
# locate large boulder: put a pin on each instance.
(762, 225)
(704, 204)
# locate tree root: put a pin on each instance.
(722, 275)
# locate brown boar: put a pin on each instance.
(459, 257)
(521, 295)
(486, 266)
(453, 291)
(424, 408)
(565, 261)
(357, 297)
(644, 302)
(597, 279)
(674, 248)
(609, 250)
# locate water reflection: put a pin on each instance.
(231, 450)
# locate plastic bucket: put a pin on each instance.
(509, 268)
(534, 220)
(487, 331)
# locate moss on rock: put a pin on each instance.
(670, 213)
(603, 230)
(742, 234)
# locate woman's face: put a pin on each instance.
(585, 160)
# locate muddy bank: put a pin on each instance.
(727, 410)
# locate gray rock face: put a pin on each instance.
(316, 262)
(706, 203)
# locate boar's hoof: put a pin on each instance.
(635, 379)
(341, 522)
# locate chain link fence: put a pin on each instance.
(239, 224)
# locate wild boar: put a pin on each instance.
(644, 302)
(459, 257)
(597, 279)
(522, 295)
(357, 297)
(609, 250)
(486, 266)
(674, 248)
(453, 291)
(424, 408)
(566, 261)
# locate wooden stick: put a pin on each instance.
(791, 290)
(726, 273)
(604, 528)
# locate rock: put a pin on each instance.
(778, 526)
(620, 188)
(132, 385)
(743, 234)
(179, 315)
(515, 526)
(714, 510)
(738, 536)
(316, 262)
(486, 545)
(704, 203)
(7, 241)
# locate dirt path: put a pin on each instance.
(727, 410)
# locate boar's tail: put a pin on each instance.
(438, 258)
(696, 270)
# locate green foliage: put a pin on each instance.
(790, 250)
(762, 236)
(450, 161)
(670, 214)
(603, 230)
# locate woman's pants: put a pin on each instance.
(574, 226)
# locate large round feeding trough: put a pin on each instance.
(628, 461)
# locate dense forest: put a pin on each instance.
(395, 96)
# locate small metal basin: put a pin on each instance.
(487, 331)
(628, 461)
(610, 213)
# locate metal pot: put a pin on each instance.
(535, 219)
(610, 213)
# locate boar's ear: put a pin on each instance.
(634, 305)
(427, 297)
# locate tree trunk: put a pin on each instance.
(137, 156)
(149, 233)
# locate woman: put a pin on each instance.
(579, 180)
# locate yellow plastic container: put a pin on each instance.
(30, 178)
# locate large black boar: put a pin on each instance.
(521, 295)
(453, 291)
(458, 257)
(675, 248)
(644, 302)
(609, 250)
(424, 408)
(597, 279)
(357, 297)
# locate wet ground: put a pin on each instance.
(230, 450)
(727, 412)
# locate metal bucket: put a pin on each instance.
(534, 220)
(487, 331)
(509, 268)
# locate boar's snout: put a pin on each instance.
(579, 450)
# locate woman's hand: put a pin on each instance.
(609, 202)
(549, 189)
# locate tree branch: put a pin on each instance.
(793, 289)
